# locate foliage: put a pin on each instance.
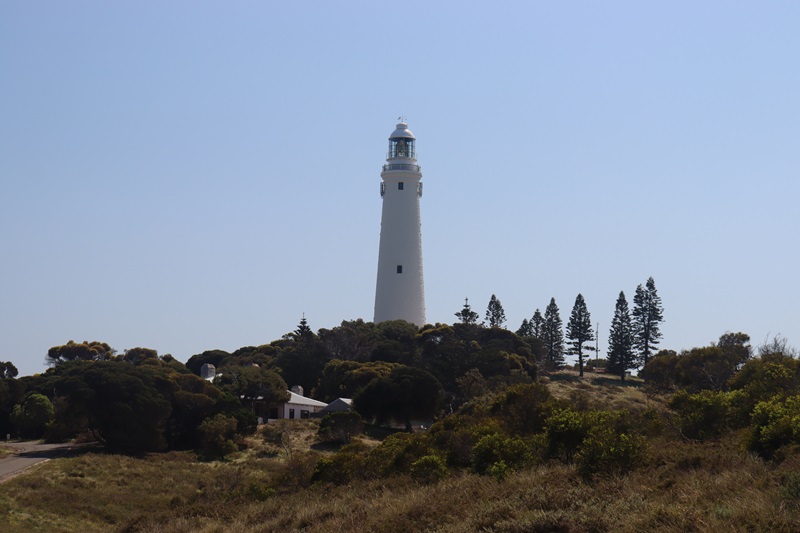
(428, 469)
(84, 351)
(496, 448)
(32, 416)
(701, 416)
(552, 336)
(217, 436)
(648, 314)
(8, 370)
(523, 409)
(609, 452)
(406, 393)
(253, 383)
(467, 315)
(579, 331)
(340, 427)
(620, 340)
(345, 379)
(495, 315)
(775, 423)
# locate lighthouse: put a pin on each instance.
(400, 291)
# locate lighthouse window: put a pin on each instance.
(399, 185)
(399, 269)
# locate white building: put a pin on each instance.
(400, 292)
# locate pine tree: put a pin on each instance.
(303, 331)
(495, 316)
(620, 340)
(467, 315)
(647, 315)
(526, 329)
(537, 325)
(579, 331)
(552, 336)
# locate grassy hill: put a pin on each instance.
(676, 485)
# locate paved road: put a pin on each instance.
(28, 454)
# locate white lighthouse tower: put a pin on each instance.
(400, 292)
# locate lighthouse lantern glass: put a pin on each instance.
(401, 147)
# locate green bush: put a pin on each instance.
(396, 454)
(340, 427)
(565, 431)
(608, 452)
(701, 416)
(513, 452)
(217, 436)
(775, 423)
(429, 469)
(339, 469)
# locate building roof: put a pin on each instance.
(339, 404)
(302, 400)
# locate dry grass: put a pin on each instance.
(682, 486)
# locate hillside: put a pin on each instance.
(676, 485)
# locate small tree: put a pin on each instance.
(8, 370)
(620, 340)
(32, 415)
(217, 436)
(495, 315)
(553, 336)
(467, 315)
(579, 331)
(340, 427)
(537, 325)
(648, 314)
(525, 329)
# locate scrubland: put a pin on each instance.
(277, 484)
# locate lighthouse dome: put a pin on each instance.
(401, 131)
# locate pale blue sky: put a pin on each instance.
(195, 175)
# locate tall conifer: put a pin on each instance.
(553, 336)
(648, 314)
(620, 340)
(579, 331)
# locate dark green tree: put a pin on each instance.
(251, 383)
(8, 370)
(620, 340)
(32, 416)
(467, 315)
(525, 329)
(137, 356)
(84, 351)
(407, 393)
(648, 314)
(537, 325)
(553, 336)
(495, 315)
(579, 331)
(303, 331)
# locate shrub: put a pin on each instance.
(776, 423)
(608, 452)
(565, 431)
(429, 469)
(217, 434)
(397, 453)
(513, 452)
(701, 416)
(340, 427)
(339, 469)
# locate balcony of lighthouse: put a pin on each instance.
(402, 166)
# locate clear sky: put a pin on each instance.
(191, 175)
